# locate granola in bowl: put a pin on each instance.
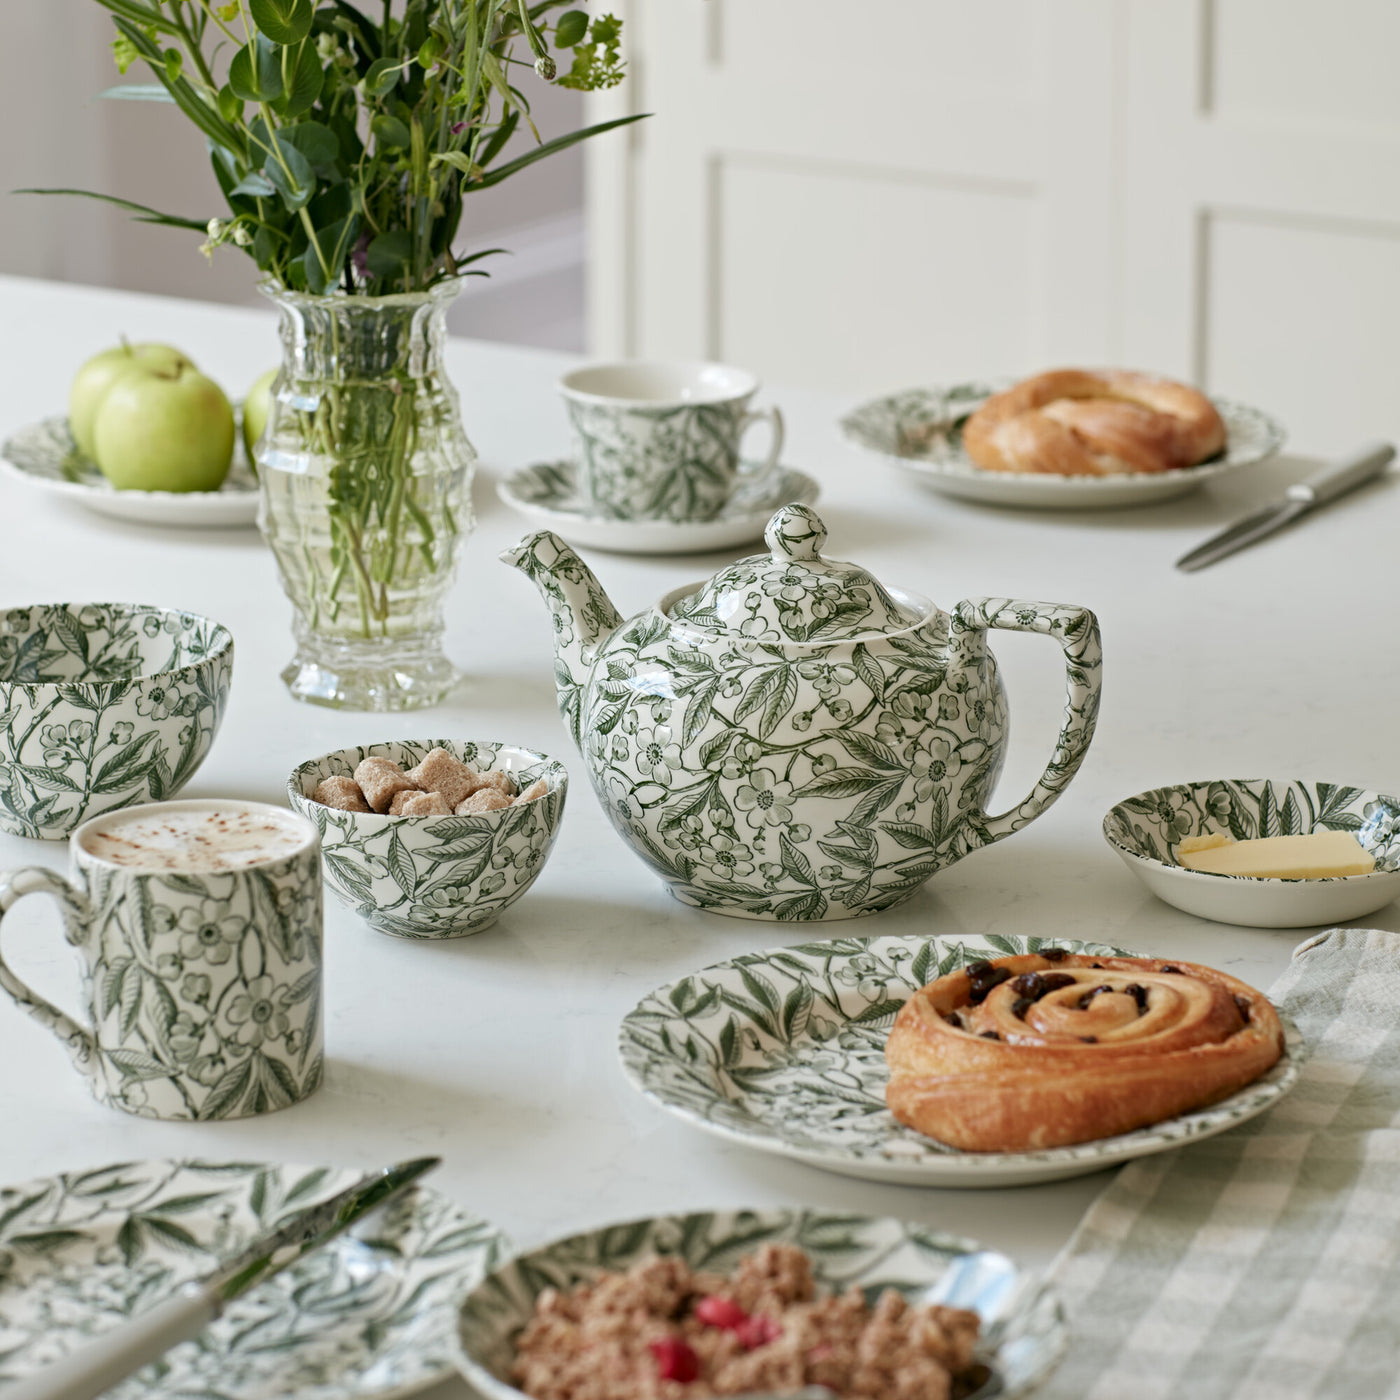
(751, 1299)
(661, 1329)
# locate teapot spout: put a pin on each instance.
(583, 615)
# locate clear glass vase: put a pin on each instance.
(366, 478)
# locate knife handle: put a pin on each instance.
(1336, 480)
(101, 1364)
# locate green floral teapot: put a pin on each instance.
(793, 739)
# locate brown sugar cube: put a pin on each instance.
(499, 779)
(536, 789)
(341, 792)
(484, 799)
(380, 779)
(419, 804)
(440, 772)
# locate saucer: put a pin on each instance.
(920, 431)
(44, 455)
(548, 494)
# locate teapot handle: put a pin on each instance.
(1077, 631)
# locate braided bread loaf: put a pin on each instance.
(1074, 422)
(1043, 1050)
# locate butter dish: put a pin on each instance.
(1147, 830)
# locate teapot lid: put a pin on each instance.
(793, 593)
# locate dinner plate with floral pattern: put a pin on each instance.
(548, 494)
(920, 430)
(1023, 1328)
(45, 456)
(370, 1315)
(784, 1051)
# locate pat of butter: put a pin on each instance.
(1321, 856)
(1189, 845)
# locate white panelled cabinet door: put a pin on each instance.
(859, 197)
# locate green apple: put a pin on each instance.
(164, 429)
(255, 406)
(91, 383)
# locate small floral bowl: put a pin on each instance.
(103, 705)
(1023, 1326)
(1146, 830)
(434, 877)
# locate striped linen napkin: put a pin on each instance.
(1263, 1264)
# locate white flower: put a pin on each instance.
(657, 755)
(765, 800)
(935, 768)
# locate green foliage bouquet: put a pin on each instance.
(345, 145)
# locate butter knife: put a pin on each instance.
(100, 1365)
(1304, 496)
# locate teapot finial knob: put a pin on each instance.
(795, 532)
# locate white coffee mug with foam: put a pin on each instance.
(202, 982)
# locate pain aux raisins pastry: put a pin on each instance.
(1052, 1048)
(1074, 422)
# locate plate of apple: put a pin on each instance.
(147, 437)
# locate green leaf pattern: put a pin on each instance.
(674, 463)
(799, 750)
(866, 1252)
(922, 428)
(785, 1050)
(1152, 824)
(204, 988)
(103, 706)
(434, 877)
(369, 1314)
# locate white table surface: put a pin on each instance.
(498, 1051)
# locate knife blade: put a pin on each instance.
(1302, 497)
(99, 1365)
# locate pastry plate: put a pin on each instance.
(1023, 1326)
(548, 495)
(370, 1315)
(784, 1051)
(921, 431)
(43, 454)
(1145, 829)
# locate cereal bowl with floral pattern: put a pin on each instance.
(1023, 1328)
(103, 705)
(434, 877)
(1146, 829)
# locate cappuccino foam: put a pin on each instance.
(204, 837)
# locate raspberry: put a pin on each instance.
(715, 1311)
(758, 1331)
(674, 1359)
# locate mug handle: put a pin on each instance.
(772, 415)
(73, 903)
(1077, 631)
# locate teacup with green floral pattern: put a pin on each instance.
(661, 441)
(202, 982)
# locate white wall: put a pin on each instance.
(863, 197)
(57, 133)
